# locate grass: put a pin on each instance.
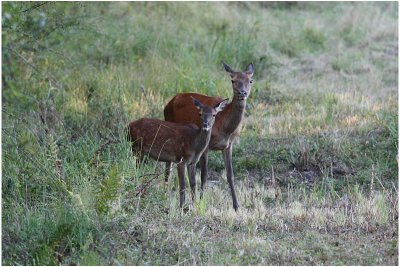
(315, 167)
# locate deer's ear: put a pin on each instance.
(197, 103)
(228, 68)
(221, 105)
(250, 70)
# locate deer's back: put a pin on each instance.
(180, 108)
(163, 140)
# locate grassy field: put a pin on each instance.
(316, 165)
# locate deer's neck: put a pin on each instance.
(201, 140)
(233, 116)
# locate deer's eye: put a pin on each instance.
(232, 81)
(251, 81)
(214, 115)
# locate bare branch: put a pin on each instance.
(142, 188)
(35, 6)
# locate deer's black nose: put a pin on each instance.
(206, 125)
(242, 93)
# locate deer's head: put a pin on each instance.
(241, 81)
(207, 114)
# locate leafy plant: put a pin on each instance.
(108, 191)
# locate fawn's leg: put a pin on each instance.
(137, 150)
(192, 179)
(168, 168)
(138, 155)
(204, 171)
(182, 185)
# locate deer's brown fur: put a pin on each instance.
(227, 124)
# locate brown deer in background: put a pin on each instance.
(227, 123)
(175, 142)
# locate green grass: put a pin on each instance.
(315, 166)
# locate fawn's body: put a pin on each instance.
(227, 123)
(175, 142)
(178, 141)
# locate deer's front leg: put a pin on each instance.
(182, 185)
(192, 179)
(229, 174)
(204, 170)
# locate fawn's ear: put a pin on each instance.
(228, 68)
(197, 103)
(250, 70)
(221, 105)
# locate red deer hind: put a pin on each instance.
(175, 142)
(227, 123)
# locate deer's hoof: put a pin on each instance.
(236, 207)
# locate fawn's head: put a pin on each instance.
(207, 114)
(241, 81)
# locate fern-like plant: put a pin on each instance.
(108, 191)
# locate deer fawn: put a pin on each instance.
(227, 124)
(175, 142)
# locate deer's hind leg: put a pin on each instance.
(137, 151)
(168, 169)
